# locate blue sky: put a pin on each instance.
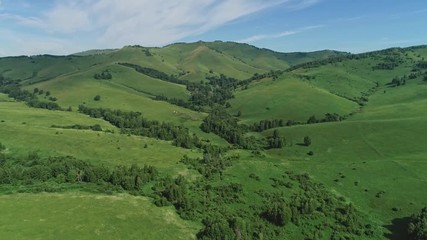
(29, 27)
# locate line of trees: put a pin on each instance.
(34, 170)
(266, 124)
(134, 123)
(95, 127)
(151, 72)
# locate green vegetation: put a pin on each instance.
(417, 227)
(74, 215)
(241, 142)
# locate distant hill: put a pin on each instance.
(192, 61)
(94, 52)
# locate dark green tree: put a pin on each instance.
(417, 227)
(312, 120)
(307, 141)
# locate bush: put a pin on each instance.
(97, 98)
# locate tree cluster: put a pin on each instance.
(390, 61)
(224, 125)
(104, 75)
(275, 141)
(30, 98)
(396, 81)
(213, 162)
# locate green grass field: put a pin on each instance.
(77, 215)
(287, 98)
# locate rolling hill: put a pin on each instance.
(223, 124)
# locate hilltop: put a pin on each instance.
(229, 139)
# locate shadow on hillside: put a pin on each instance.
(398, 229)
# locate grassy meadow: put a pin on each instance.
(89, 216)
(287, 98)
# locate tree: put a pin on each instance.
(312, 120)
(417, 227)
(97, 98)
(307, 141)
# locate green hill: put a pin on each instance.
(223, 126)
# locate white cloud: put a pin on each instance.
(277, 35)
(67, 18)
(152, 23)
(113, 23)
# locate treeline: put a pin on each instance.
(134, 123)
(263, 125)
(95, 127)
(151, 72)
(258, 76)
(178, 102)
(34, 170)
